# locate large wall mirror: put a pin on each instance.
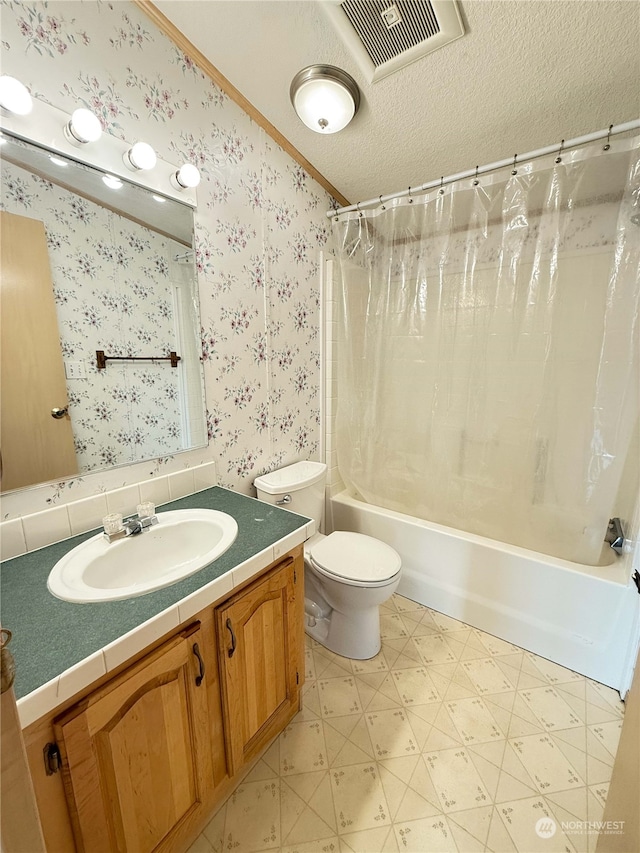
(93, 264)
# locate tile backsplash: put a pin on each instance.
(39, 529)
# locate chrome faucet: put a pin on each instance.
(614, 535)
(132, 527)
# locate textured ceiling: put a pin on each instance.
(527, 73)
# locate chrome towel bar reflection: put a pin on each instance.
(102, 359)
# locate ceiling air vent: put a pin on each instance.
(384, 36)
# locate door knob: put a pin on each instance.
(59, 413)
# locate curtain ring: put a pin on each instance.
(358, 209)
(475, 180)
(559, 157)
(382, 207)
(441, 190)
(410, 199)
(514, 171)
(608, 145)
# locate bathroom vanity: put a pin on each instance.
(138, 758)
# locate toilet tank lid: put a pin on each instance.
(291, 478)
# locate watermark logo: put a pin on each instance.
(546, 827)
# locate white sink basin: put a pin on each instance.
(182, 542)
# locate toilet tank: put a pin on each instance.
(303, 482)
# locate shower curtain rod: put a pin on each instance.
(490, 167)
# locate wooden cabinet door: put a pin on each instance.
(136, 753)
(260, 643)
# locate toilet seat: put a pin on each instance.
(355, 559)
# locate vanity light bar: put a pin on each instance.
(77, 137)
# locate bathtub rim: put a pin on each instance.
(621, 578)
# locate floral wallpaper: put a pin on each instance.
(260, 226)
(120, 293)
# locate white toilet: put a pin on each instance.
(347, 575)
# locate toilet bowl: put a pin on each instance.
(347, 575)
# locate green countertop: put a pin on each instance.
(50, 635)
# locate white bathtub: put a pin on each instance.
(582, 617)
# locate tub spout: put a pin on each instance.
(614, 535)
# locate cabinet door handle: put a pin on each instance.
(200, 676)
(233, 639)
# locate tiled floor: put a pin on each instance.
(448, 740)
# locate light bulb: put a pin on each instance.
(140, 156)
(186, 177)
(83, 127)
(14, 96)
(112, 182)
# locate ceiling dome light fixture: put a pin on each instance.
(14, 96)
(140, 157)
(83, 127)
(186, 177)
(325, 98)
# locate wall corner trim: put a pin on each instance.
(183, 43)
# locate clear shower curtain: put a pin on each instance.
(488, 350)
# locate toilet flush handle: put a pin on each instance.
(285, 500)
